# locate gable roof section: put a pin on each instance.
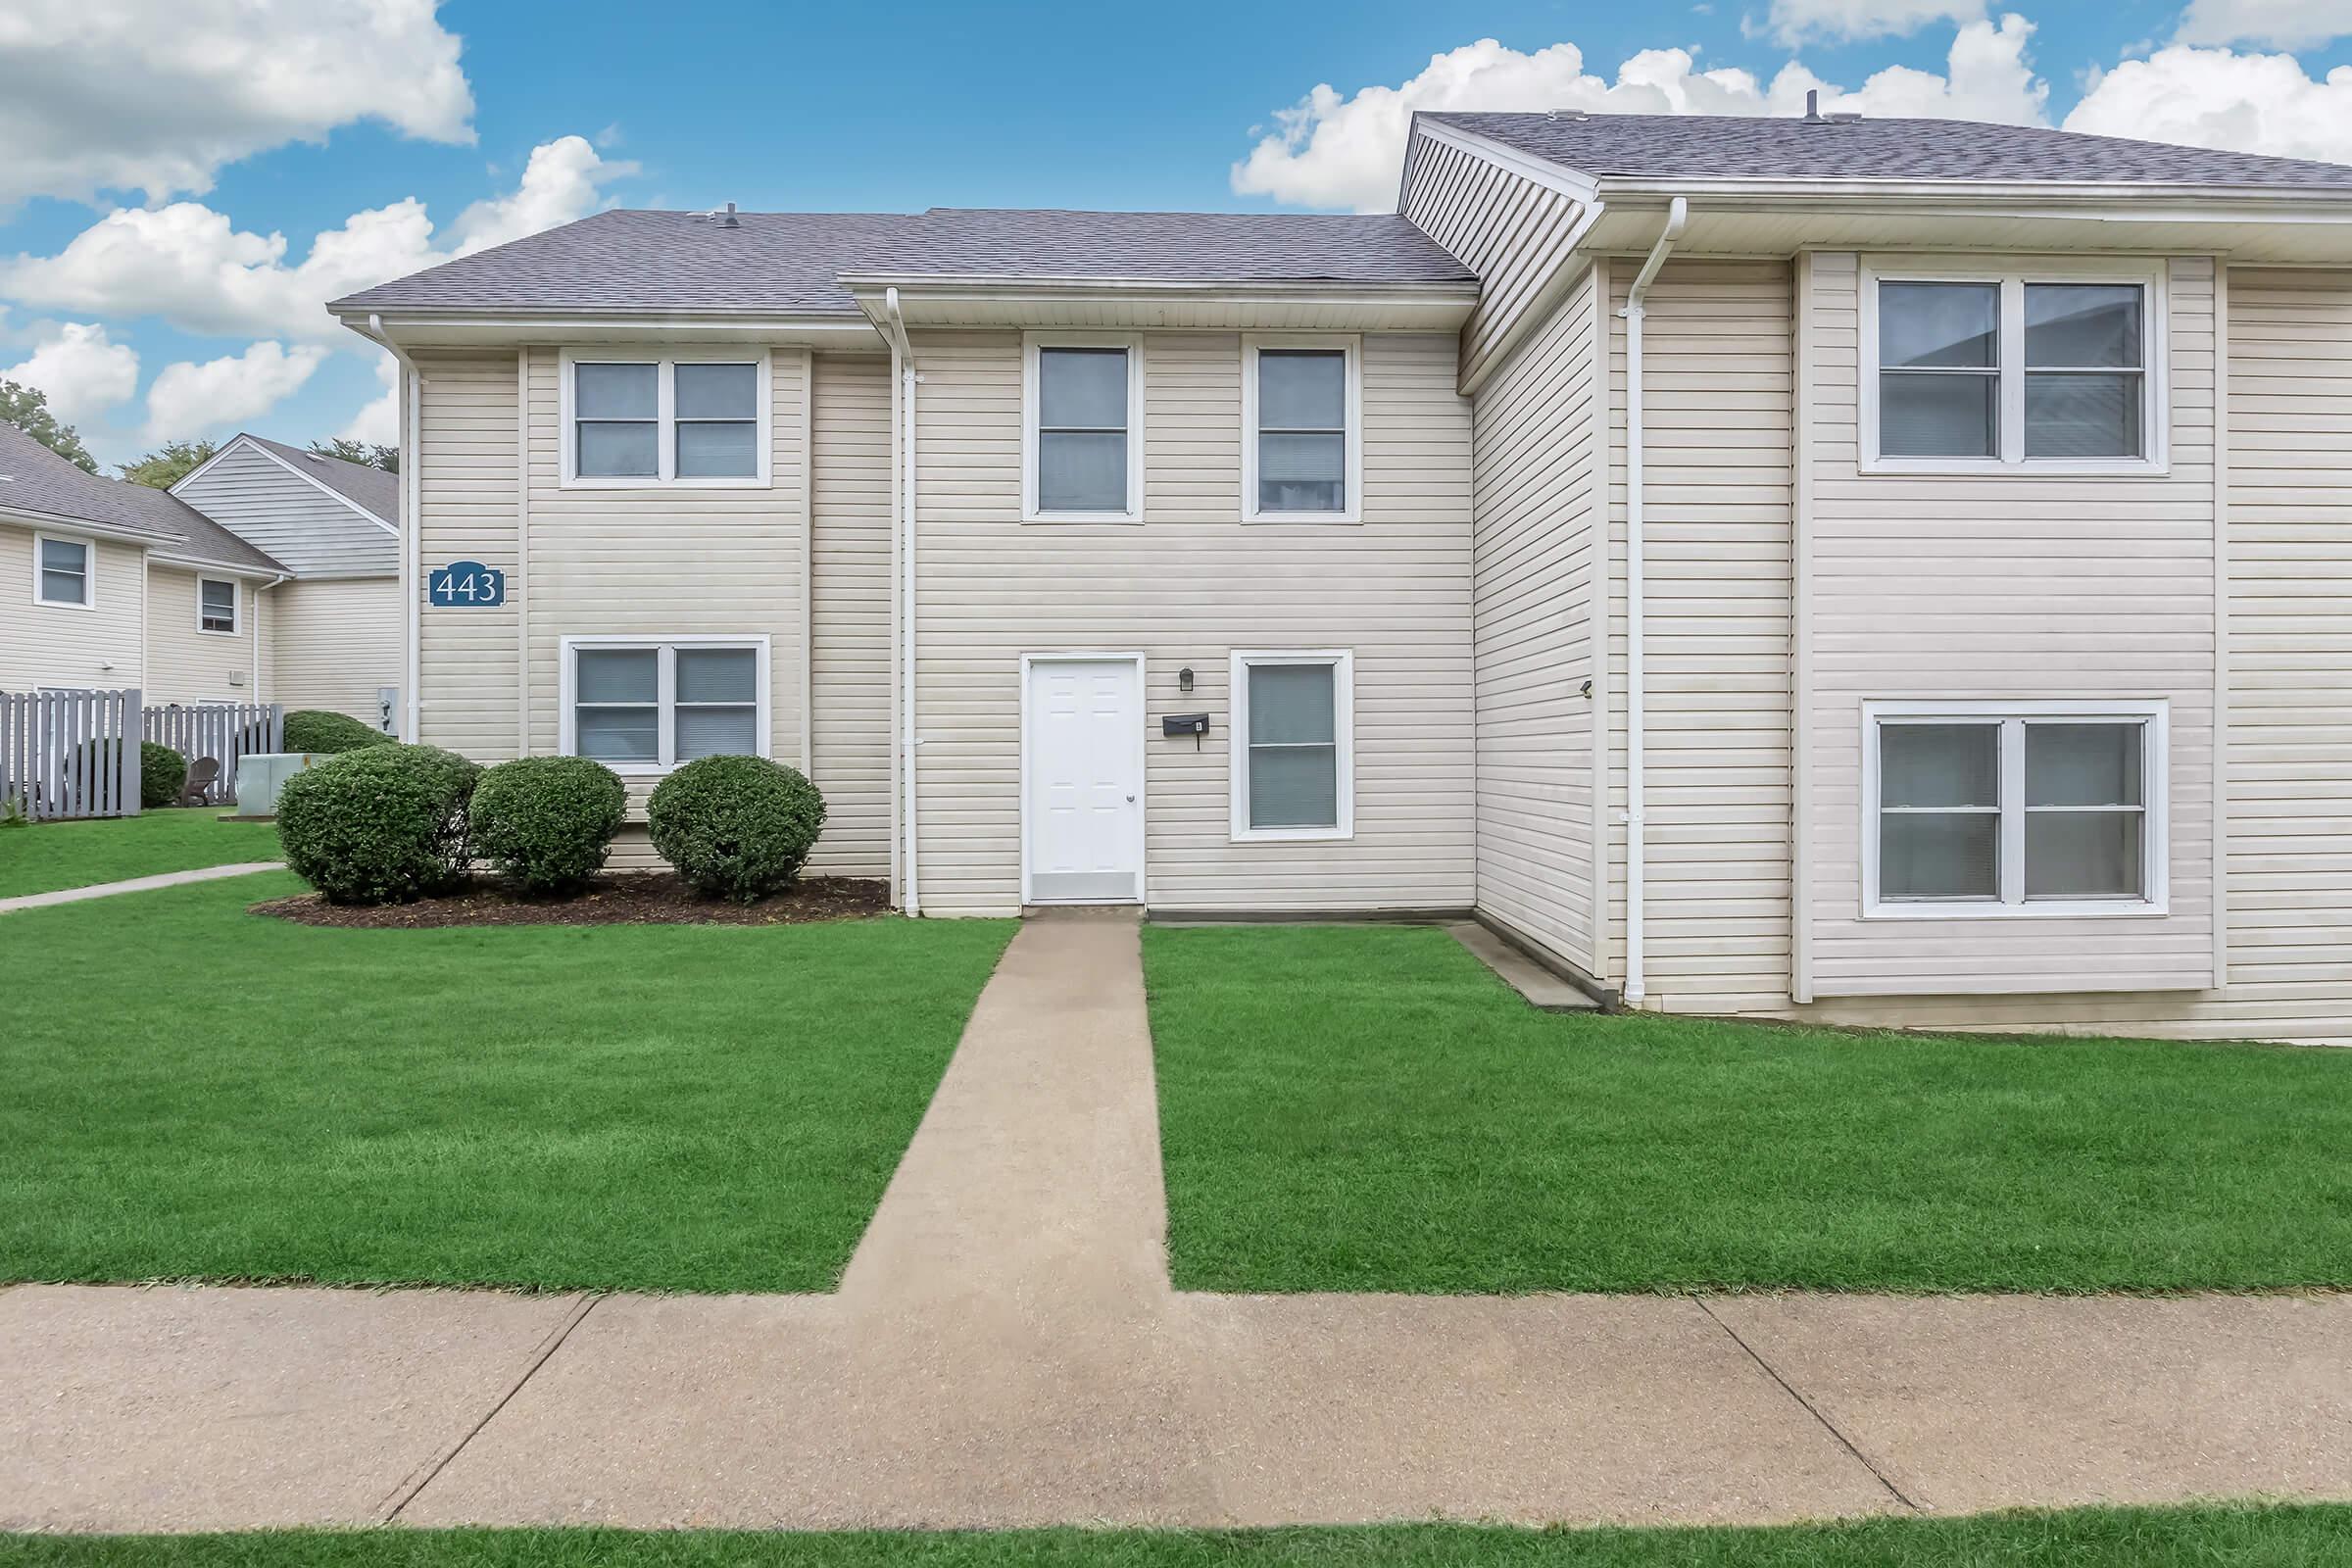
(1707, 147)
(793, 263)
(40, 481)
(366, 487)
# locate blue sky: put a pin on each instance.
(138, 282)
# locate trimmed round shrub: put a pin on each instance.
(382, 825)
(316, 729)
(735, 827)
(545, 823)
(162, 774)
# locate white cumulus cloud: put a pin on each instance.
(191, 266)
(81, 372)
(2277, 23)
(189, 398)
(1335, 150)
(2248, 103)
(157, 95)
(379, 420)
(1793, 22)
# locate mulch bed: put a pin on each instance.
(647, 898)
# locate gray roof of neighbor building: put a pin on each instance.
(792, 262)
(359, 482)
(33, 478)
(1729, 147)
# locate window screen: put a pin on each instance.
(65, 575)
(1082, 418)
(1301, 430)
(1939, 370)
(618, 411)
(1293, 746)
(1940, 811)
(2084, 378)
(717, 420)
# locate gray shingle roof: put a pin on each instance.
(791, 263)
(38, 479)
(371, 487)
(1726, 147)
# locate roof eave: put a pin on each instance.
(66, 522)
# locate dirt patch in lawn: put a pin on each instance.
(650, 899)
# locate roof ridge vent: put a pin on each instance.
(1567, 114)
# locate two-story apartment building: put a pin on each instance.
(1860, 570)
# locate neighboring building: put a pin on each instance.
(128, 586)
(1868, 571)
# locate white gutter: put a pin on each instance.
(1636, 713)
(902, 353)
(411, 570)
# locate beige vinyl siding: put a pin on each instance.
(59, 645)
(1185, 588)
(1538, 501)
(187, 666)
(1718, 414)
(1511, 231)
(2009, 587)
(661, 561)
(468, 485)
(851, 465)
(255, 496)
(337, 641)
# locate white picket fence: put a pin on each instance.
(223, 731)
(62, 753)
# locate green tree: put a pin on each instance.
(168, 463)
(360, 451)
(27, 409)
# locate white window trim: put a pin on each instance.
(1031, 406)
(90, 571)
(2154, 717)
(236, 608)
(664, 695)
(1352, 344)
(665, 420)
(2155, 415)
(1342, 703)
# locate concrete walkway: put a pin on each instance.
(136, 884)
(1005, 1351)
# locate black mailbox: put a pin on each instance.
(1184, 724)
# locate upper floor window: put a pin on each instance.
(2055, 373)
(215, 605)
(1302, 429)
(1082, 405)
(675, 420)
(2035, 808)
(61, 572)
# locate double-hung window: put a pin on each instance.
(216, 605)
(1083, 409)
(2039, 808)
(665, 420)
(1294, 763)
(1302, 436)
(61, 572)
(644, 707)
(2051, 373)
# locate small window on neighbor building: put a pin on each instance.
(1085, 455)
(62, 573)
(649, 706)
(215, 605)
(666, 422)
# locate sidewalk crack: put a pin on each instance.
(421, 1477)
(1810, 1408)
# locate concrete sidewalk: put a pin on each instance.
(1005, 1351)
(136, 884)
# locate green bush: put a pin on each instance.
(545, 823)
(162, 774)
(385, 824)
(735, 827)
(315, 729)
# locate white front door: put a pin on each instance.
(1085, 763)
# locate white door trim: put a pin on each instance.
(1141, 793)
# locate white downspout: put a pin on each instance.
(1636, 710)
(412, 572)
(902, 355)
(261, 693)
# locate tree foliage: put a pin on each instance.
(168, 463)
(27, 409)
(360, 451)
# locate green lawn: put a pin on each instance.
(2088, 1537)
(196, 1092)
(1365, 1109)
(48, 856)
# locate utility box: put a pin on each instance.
(261, 774)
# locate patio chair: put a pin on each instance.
(202, 774)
